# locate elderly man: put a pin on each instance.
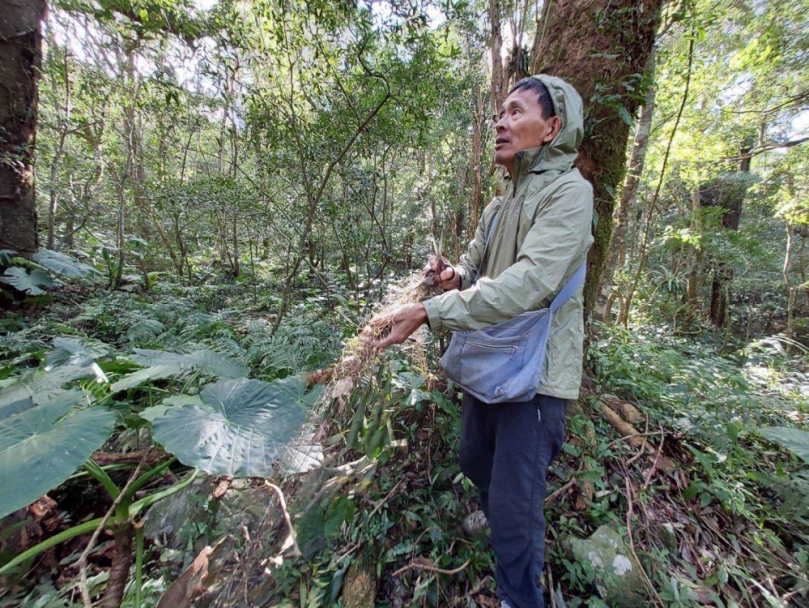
(540, 237)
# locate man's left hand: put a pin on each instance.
(404, 322)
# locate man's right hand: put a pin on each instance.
(450, 279)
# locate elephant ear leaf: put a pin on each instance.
(241, 429)
(795, 440)
(31, 283)
(163, 364)
(62, 264)
(40, 447)
(74, 351)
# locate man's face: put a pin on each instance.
(521, 127)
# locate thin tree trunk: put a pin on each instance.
(801, 260)
(20, 64)
(731, 199)
(315, 190)
(235, 267)
(650, 214)
(578, 40)
(120, 233)
(629, 194)
(137, 169)
(694, 253)
(478, 119)
(57, 157)
(498, 93)
(793, 292)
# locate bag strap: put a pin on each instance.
(486, 246)
(570, 288)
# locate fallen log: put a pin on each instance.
(627, 411)
(625, 429)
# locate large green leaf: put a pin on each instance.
(207, 361)
(30, 283)
(169, 403)
(241, 430)
(303, 453)
(158, 372)
(795, 440)
(42, 446)
(63, 264)
(15, 407)
(41, 386)
(74, 351)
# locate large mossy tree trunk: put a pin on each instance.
(602, 48)
(20, 62)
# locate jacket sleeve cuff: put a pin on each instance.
(433, 318)
(466, 280)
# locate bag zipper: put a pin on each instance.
(513, 349)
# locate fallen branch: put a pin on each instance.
(620, 439)
(550, 585)
(106, 458)
(648, 582)
(459, 601)
(629, 432)
(651, 472)
(428, 568)
(386, 499)
(627, 411)
(561, 490)
(291, 540)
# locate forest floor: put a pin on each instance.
(663, 454)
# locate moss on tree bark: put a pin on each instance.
(601, 47)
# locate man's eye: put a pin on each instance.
(514, 112)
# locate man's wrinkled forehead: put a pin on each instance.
(520, 99)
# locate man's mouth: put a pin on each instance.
(500, 141)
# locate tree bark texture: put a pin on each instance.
(499, 75)
(629, 195)
(476, 204)
(602, 48)
(20, 62)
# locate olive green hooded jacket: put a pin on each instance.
(542, 236)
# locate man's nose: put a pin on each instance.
(500, 124)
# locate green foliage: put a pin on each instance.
(74, 351)
(240, 427)
(716, 410)
(262, 190)
(30, 281)
(34, 278)
(206, 361)
(794, 440)
(43, 445)
(62, 264)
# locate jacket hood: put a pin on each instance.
(561, 152)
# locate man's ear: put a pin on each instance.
(555, 124)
